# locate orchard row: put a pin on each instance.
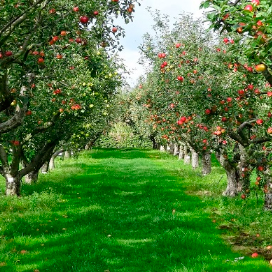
(211, 93)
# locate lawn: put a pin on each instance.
(129, 211)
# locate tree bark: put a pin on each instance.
(268, 190)
(171, 148)
(206, 163)
(53, 157)
(154, 143)
(67, 154)
(31, 177)
(52, 163)
(244, 183)
(162, 148)
(176, 150)
(195, 159)
(187, 157)
(232, 175)
(13, 185)
(45, 168)
(181, 152)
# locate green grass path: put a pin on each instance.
(117, 211)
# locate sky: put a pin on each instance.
(142, 23)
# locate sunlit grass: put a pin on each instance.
(120, 210)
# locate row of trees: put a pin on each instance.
(57, 78)
(212, 93)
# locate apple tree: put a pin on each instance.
(48, 49)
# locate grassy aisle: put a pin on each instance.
(117, 211)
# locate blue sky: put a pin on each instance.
(142, 24)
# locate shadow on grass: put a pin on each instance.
(117, 210)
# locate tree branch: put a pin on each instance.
(41, 157)
(17, 118)
(3, 157)
(10, 26)
(261, 140)
(38, 130)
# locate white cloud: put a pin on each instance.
(142, 24)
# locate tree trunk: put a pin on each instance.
(45, 168)
(195, 160)
(52, 163)
(187, 158)
(232, 175)
(232, 183)
(268, 190)
(154, 143)
(13, 185)
(181, 152)
(89, 145)
(176, 150)
(206, 163)
(171, 148)
(53, 157)
(162, 148)
(67, 154)
(31, 177)
(244, 173)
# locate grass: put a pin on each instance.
(128, 210)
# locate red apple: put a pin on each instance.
(259, 121)
(254, 255)
(180, 78)
(58, 91)
(78, 40)
(255, 2)
(114, 29)
(75, 9)
(229, 99)
(250, 87)
(207, 111)
(84, 19)
(8, 53)
(95, 13)
(243, 196)
(248, 8)
(40, 61)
